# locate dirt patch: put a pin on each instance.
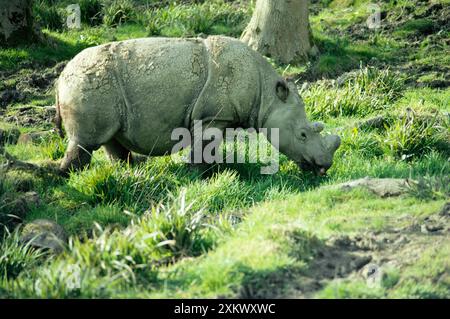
(418, 20)
(32, 116)
(383, 187)
(366, 255)
(41, 79)
(360, 256)
(10, 96)
(28, 84)
(421, 23)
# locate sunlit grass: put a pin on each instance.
(162, 229)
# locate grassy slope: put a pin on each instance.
(256, 236)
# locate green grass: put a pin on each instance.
(269, 248)
(121, 21)
(15, 257)
(367, 91)
(161, 229)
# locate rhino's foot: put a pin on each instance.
(76, 157)
(117, 152)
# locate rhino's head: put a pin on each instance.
(300, 139)
(315, 152)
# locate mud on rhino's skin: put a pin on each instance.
(131, 95)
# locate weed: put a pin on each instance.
(360, 93)
(119, 12)
(48, 16)
(415, 134)
(132, 187)
(91, 11)
(16, 256)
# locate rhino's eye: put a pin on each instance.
(303, 136)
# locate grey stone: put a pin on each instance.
(43, 233)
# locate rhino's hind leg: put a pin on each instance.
(117, 152)
(77, 156)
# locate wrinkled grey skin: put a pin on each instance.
(130, 95)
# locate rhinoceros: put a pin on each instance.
(129, 96)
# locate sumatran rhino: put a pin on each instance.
(130, 96)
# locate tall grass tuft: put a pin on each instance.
(430, 187)
(136, 187)
(91, 11)
(182, 230)
(194, 19)
(357, 94)
(48, 15)
(113, 260)
(16, 256)
(119, 12)
(416, 133)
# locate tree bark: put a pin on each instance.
(280, 29)
(16, 22)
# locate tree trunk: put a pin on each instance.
(280, 29)
(16, 22)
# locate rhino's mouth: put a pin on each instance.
(313, 167)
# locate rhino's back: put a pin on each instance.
(148, 84)
(162, 74)
(161, 85)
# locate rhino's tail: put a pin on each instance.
(58, 120)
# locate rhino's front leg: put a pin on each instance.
(206, 140)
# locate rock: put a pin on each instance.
(34, 137)
(373, 274)
(360, 261)
(314, 52)
(373, 123)
(384, 187)
(43, 233)
(445, 210)
(431, 227)
(22, 205)
(401, 240)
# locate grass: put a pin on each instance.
(264, 255)
(15, 257)
(367, 91)
(160, 229)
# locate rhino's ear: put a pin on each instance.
(282, 90)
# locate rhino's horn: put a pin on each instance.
(318, 127)
(333, 142)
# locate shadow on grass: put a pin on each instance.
(313, 263)
(340, 54)
(46, 53)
